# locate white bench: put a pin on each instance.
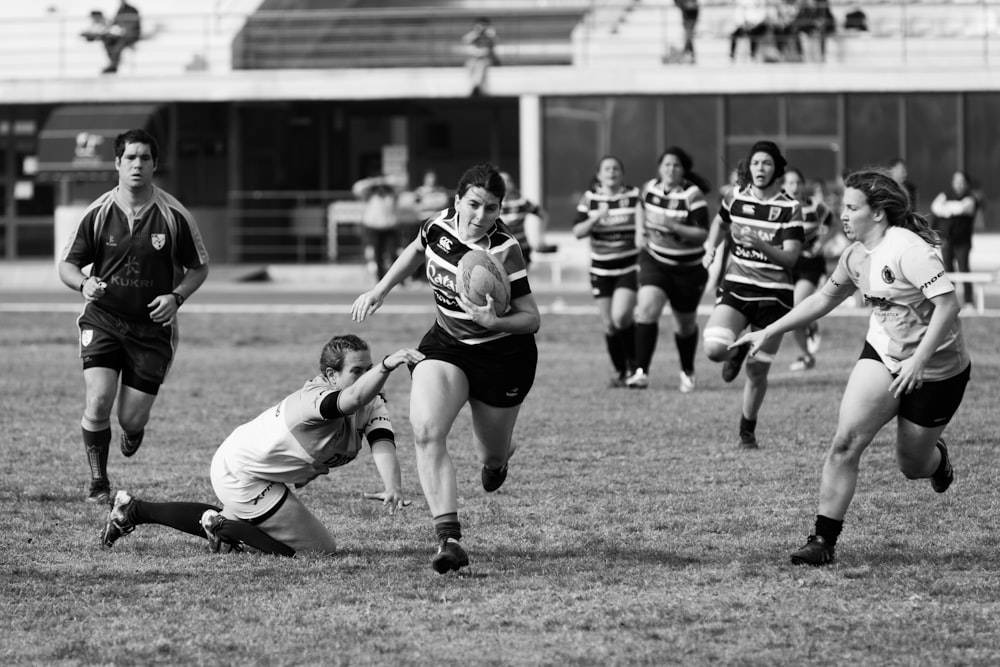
(978, 280)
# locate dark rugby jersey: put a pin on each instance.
(443, 250)
(775, 220)
(612, 243)
(684, 204)
(514, 212)
(815, 214)
(138, 263)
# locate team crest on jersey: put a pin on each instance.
(159, 240)
(773, 213)
(444, 243)
(86, 336)
(888, 276)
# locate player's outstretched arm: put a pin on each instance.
(405, 265)
(384, 455)
(366, 387)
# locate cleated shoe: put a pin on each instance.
(815, 552)
(100, 491)
(687, 383)
(450, 556)
(748, 440)
(130, 444)
(813, 339)
(210, 522)
(637, 380)
(494, 479)
(617, 381)
(731, 368)
(945, 474)
(119, 523)
(803, 363)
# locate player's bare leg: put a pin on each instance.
(493, 428)
(134, 407)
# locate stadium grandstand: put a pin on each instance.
(267, 111)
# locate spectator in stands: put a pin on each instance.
(856, 19)
(689, 19)
(954, 215)
(124, 31)
(751, 24)
(897, 168)
(378, 222)
(482, 41)
(781, 21)
(812, 25)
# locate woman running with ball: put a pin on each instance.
(472, 354)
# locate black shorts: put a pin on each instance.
(141, 351)
(683, 285)
(760, 307)
(809, 268)
(500, 373)
(605, 286)
(932, 404)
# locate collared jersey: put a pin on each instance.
(443, 250)
(293, 443)
(139, 258)
(683, 204)
(513, 213)
(897, 279)
(815, 214)
(612, 242)
(775, 220)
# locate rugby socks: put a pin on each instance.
(447, 525)
(646, 336)
(747, 425)
(236, 531)
(687, 346)
(829, 529)
(186, 517)
(97, 444)
(616, 351)
(628, 345)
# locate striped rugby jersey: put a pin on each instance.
(443, 250)
(612, 243)
(897, 279)
(776, 220)
(513, 213)
(138, 261)
(683, 204)
(815, 214)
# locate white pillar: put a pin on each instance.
(530, 112)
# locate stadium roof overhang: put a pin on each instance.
(78, 141)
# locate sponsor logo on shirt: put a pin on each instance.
(748, 209)
(931, 281)
(111, 243)
(444, 243)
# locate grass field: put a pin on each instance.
(630, 531)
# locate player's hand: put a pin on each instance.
(708, 257)
(163, 309)
(910, 377)
(93, 289)
(752, 338)
(484, 316)
(391, 499)
(408, 356)
(366, 305)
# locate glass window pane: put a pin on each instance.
(753, 115)
(812, 114)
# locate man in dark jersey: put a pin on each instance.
(147, 257)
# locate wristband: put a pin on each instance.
(385, 369)
(179, 298)
(83, 283)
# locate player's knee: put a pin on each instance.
(716, 342)
(98, 407)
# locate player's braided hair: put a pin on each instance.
(334, 351)
(883, 193)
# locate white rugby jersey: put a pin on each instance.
(612, 243)
(293, 443)
(897, 279)
(776, 220)
(443, 250)
(683, 204)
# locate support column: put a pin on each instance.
(530, 147)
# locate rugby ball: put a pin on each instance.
(480, 273)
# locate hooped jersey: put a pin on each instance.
(898, 279)
(139, 258)
(775, 220)
(612, 242)
(815, 215)
(683, 204)
(514, 212)
(443, 250)
(293, 443)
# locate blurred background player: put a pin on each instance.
(914, 366)
(472, 355)
(309, 432)
(672, 236)
(810, 268)
(609, 214)
(526, 220)
(765, 239)
(954, 212)
(147, 258)
(379, 222)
